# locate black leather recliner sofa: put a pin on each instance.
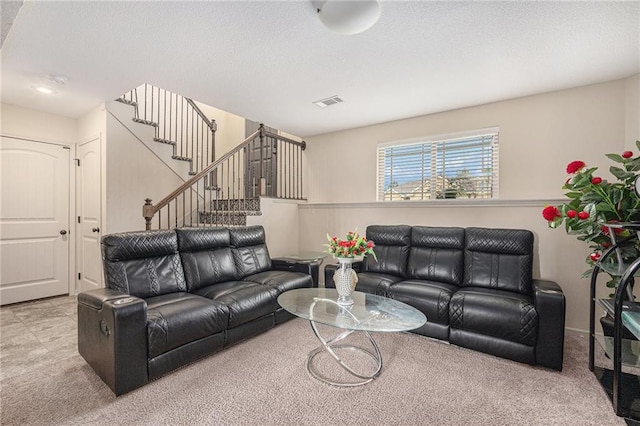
(175, 296)
(474, 285)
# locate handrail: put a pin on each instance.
(197, 177)
(275, 169)
(210, 123)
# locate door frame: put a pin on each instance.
(74, 217)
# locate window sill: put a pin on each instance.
(446, 203)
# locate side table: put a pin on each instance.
(623, 389)
(311, 258)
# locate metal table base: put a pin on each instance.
(330, 345)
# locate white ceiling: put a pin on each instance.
(268, 60)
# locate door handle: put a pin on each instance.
(95, 229)
(63, 232)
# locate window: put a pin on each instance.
(450, 166)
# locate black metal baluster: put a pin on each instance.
(290, 177)
(164, 119)
(192, 155)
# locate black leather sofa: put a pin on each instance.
(175, 296)
(474, 285)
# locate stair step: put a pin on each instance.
(147, 122)
(243, 204)
(127, 102)
(223, 218)
(165, 141)
(177, 157)
(212, 188)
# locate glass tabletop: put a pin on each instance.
(368, 313)
(311, 256)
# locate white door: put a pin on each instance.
(88, 210)
(34, 220)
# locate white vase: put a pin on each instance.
(345, 279)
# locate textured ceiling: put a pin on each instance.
(268, 61)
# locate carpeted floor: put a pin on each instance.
(264, 381)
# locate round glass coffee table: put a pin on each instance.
(369, 313)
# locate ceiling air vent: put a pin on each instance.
(323, 103)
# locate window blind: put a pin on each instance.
(444, 167)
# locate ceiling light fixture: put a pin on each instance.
(348, 16)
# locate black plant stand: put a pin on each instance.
(620, 344)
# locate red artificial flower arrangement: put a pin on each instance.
(353, 245)
(593, 202)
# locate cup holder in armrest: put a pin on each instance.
(123, 301)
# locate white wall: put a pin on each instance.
(539, 135)
(40, 126)
(133, 173)
(230, 132)
(280, 221)
(632, 122)
(92, 124)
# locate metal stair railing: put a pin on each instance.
(264, 164)
(177, 121)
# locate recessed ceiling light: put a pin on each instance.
(323, 103)
(45, 90)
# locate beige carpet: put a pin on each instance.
(264, 381)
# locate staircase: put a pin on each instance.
(177, 122)
(222, 191)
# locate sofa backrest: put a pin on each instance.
(437, 254)
(391, 248)
(143, 264)
(206, 256)
(499, 258)
(249, 250)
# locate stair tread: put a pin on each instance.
(177, 157)
(165, 141)
(236, 204)
(147, 122)
(127, 102)
(224, 218)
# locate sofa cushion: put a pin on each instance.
(143, 264)
(437, 254)
(249, 250)
(245, 301)
(391, 248)
(281, 280)
(176, 319)
(374, 283)
(499, 258)
(498, 313)
(429, 297)
(206, 256)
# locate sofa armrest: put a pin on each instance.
(550, 303)
(329, 270)
(309, 267)
(112, 337)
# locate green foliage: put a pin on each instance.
(604, 202)
(353, 245)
